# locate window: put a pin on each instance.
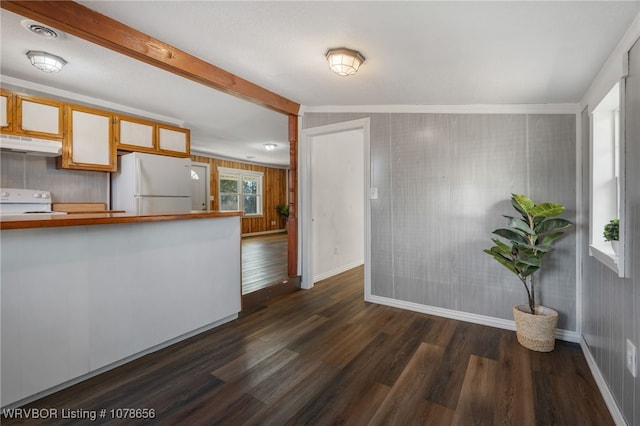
(240, 190)
(607, 202)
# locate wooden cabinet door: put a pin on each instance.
(173, 140)
(7, 117)
(134, 134)
(38, 117)
(88, 141)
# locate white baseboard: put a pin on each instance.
(336, 271)
(618, 418)
(566, 335)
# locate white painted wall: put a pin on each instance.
(337, 206)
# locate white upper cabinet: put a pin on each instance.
(32, 116)
(88, 142)
(6, 111)
(173, 140)
(134, 134)
(38, 117)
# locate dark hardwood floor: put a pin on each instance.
(325, 357)
(264, 261)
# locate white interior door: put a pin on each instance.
(199, 186)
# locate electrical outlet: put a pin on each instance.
(632, 359)
(273, 222)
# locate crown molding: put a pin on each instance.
(565, 108)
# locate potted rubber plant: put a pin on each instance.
(612, 233)
(283, 212)
(521, 248)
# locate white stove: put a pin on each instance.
(20, 202)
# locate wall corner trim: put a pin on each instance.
(618, 418)
(566, 335)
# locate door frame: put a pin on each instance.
(207, 182)
(305, 190)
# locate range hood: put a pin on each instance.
(31, 146)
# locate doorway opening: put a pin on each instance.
(335, 183)
(264, 261)
(200, 191)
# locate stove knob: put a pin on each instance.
(45, 195)
(36, 195)
(4, 194)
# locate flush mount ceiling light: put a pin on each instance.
(343, 61)
(46, 61)
(270, 146)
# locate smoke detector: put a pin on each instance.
(42, 30)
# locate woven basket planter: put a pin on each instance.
(536, 332)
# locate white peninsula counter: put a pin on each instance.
(79, 298)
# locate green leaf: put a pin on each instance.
(530, 270)
(511, 235)
(522, 203)
(549, 238)
(506, 263)
(544, 248)
(520, 225)
(549, 225)
(525, 249)
(530, 261)
(531, 249)
(546, 210)
(504, 248)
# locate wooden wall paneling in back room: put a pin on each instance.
(274, 192)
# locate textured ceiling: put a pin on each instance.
(418, 53)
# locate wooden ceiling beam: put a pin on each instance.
(80, 21)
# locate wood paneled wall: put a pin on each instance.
(274, 191)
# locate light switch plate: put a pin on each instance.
(632, 359)
(373, 193)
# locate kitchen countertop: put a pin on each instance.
(101, 218)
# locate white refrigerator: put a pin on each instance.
(150, 184)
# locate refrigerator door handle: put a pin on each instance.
(138, 175)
